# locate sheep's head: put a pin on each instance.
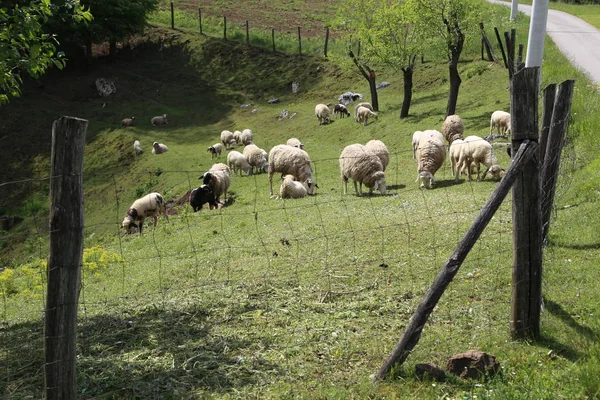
(495, 170)
(129, 221)
(310, 186)
(427, 180)
(206, 178)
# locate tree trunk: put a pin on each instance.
(373, 88)
(455, 82)
(112, 49)
(408, 83)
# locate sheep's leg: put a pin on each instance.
(270, 184)
(140, 226)
(358, 193)
(345, 183)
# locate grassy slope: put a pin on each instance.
(249, 300)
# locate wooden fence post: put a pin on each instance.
(224, 27)
(299, 42)
(172, 16)
(527, 221)
(501, 47)
(548, 97)
(200, 19)
(247, 33)
(273, 38)
(326, 41)
(558, 126)
(64, 263)
(411, 335)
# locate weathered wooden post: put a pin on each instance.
(273, 38)
(527, 221)
(299, 42)
(247, 33)
(501, 47)
(548, 97)
(172, 16)
(551, 164)
(200, 19)
(326, 41)
(64, 263)
(224, 27)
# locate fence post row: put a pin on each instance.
(64, 261)
(527, 221)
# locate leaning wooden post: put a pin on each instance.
(299, 42)
(501, 47)
(326, 41)
(411, 335)
(527, 218)
(558, 126)
(172, 16)
(64, 263)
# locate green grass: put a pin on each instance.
(300, 298)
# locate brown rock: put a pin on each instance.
(430, 369)
(473, 364)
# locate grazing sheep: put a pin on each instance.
(127, 122)
(200, 196)
(380, 149)
(246, 137)
(456, 148)
(159, 120)
(501, 121)
(137, 148)
(364, 167)
(151, 205)
(453, 128)
(159, 148)
(322, 113)
(218, 179)
(295, 143)
(340, 111)
(359, 105)
(237, 162)
(429, 151)
(215, 150)
(227, 139)
(291, 189)
(288, 160)
(237, 136)
(479, 151)
(363, 114)
(256, 157)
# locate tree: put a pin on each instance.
(449, 20)
(24, 46)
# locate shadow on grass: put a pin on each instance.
(153, 353)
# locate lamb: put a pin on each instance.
(340, 111)
(322, 113)
(159, 148)
(218, 179)
(151, 205)
(429, 151)
(291, 189)
(359, 105)
(364, 167)
(200, 196)
(453, 128)
(127, 122)
(288, 160)
(363, 114)
(501, 121)
(255, 157)
(227, 139)
(137, 148)
(380, 149)
(160, 120)
(237, 136)
(215, 150)
(246, 137)
(237, 162)
(454, 153)
(479, 151)
(295, 143)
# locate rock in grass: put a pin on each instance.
(473, 364)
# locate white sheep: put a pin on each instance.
(429, 150)
(151, 205)
(501, 121)
(379, 148)
(453, 128)
(363, 114)
(479, 151)
(288, 160)
(246, 137)
(127, 122)
(218, 179)
(255, 157)
(237, 162)
(454, 153)
(295, 143)
(227, 139)
(137, 148)
(237, 136)
(215, 150)
(322, 113)
(292, 189)
(159, 120)
(159, 148)
(364, 167)
(359, 105)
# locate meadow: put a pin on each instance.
(305, 298)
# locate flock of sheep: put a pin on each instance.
(364, 164)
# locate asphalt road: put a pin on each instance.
(575, 38)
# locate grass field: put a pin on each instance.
(305, 298)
